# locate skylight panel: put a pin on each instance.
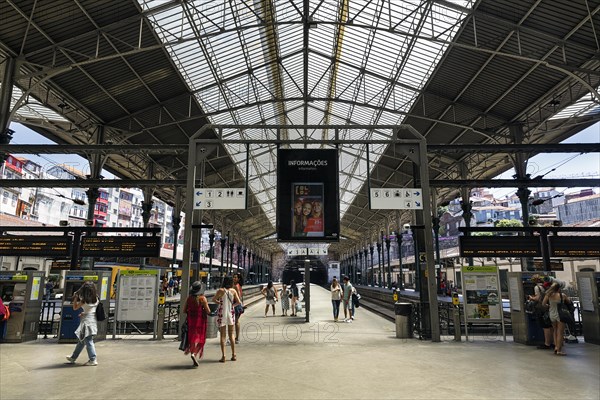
(578, 109)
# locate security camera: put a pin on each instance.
(406, 227)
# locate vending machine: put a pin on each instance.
(588, 286)
(69, 318)
(22, 293)
(525, 327)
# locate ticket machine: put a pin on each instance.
(525, 327)
(69, 318)
(588, 285)
(22, 292)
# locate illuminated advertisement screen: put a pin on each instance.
(307, 195)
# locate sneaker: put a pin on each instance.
(91, 363)
(237, 341)
(71, 360)
(349, 321)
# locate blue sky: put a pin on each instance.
(566, 165)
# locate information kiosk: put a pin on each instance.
(588, 284)
(525, 327)
(69, 320)
(22, 293)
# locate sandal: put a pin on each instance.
(560, 353)
(233, 358)
(222, 359)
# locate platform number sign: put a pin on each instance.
(219, 199)
(396, 199)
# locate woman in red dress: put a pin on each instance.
(197, 310)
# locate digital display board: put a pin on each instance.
(574, 246)
(35, 246)
(120, 246)
(307, 195)
(500, 246)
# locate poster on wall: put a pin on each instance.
(307, 195)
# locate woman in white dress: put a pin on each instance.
(271, 297)
(227, 298)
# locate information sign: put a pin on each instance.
(307, 251)
(500, 246)
(137, 295)
(220, 199)
(120, 246)
(396, 199)
(574, 246)
(35, 246)
(482, 298)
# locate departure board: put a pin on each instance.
(500, 246)
(120, 246)
(36, 246)
(574, 246)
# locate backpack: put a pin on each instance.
(4, 312)
(100, 314)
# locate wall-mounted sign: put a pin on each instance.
(219, 198)
(396, 199)
(307, 195)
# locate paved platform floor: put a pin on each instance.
(285, 358)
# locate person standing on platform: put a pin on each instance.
(227, 298)
(336, 298)
(295, 294)
(271, 297)
(538, 296)
(347, 300)
(285, 300)
(553, 297)
(237, 285)
(49, 290)
(197, 310)
(86, 298)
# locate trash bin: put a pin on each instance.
(404, 328)
(211, 324)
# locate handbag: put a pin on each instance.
(100, 313)
(184, 336)
(238, 309)
(563, 312)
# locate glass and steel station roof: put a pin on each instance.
(154, 72)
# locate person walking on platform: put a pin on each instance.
(285, 300)
(554, 297)
(239, 310)
(227, 298)
(86, 298)
(197, 310)
(271, 297)
(295, 294)
(336, 298)
(347, 300)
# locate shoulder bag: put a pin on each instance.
(563, 312)
(100, 313)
